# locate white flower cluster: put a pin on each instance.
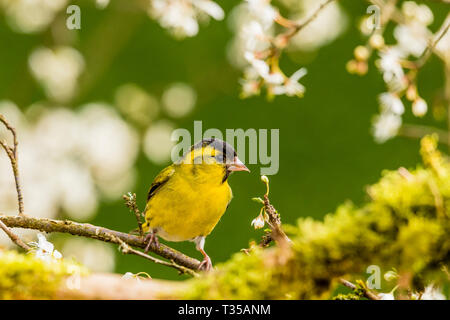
(68, 159)
(182, 16)
(412, 38)
(255, 43)
(57, 70)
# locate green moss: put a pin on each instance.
(22, 276)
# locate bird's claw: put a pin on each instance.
(206, 264)
(150, 239)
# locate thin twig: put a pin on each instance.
(130, 202)
(311, 18)
(94, 232)
(419, 131)
(429, 50)
(14, 238)
(13, 157)
(367, 293)
(126, 249)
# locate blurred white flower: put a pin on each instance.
(179, 99)
(68, 160)
(419, 13)
(390, 102)
(419, 107)
(253, 36)
(390, 66)
(291, 86)
(432, 293)
(57, 70)
(95, 255)
(386, 126)
(45, 249)
(263, 10)
(443, 46)
(326, 27)
(136, 104)
(157, 142)
(412, 38)
(180, 16)
(209, 7)
(110, 145)
(29, 16)
(101, 4)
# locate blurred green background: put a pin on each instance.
(327, 154)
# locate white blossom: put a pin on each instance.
(253, 35)
(31, 16)
(57, 70)
(419, 107)
(291, 86)
(412, 38)
(258, 222)
(390, 66)
(210, 7)
(263, 10)
(181, 16)
(101, 4)
(386, 126)
(418, 13)
(45, 249)
(390, 102)
(263, 69)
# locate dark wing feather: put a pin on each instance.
(160, 180)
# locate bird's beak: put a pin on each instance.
(237, 165)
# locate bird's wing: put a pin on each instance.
(160, 180)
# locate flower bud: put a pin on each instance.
(361, 53)
(419, 107)
(376, 41)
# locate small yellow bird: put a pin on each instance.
(187, 199)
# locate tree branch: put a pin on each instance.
(419, 131)
(126, 249)
(99, 233)
(14, 237)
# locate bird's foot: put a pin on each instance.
(206, 264)
(150, 239)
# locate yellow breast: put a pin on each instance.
(189, 204)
